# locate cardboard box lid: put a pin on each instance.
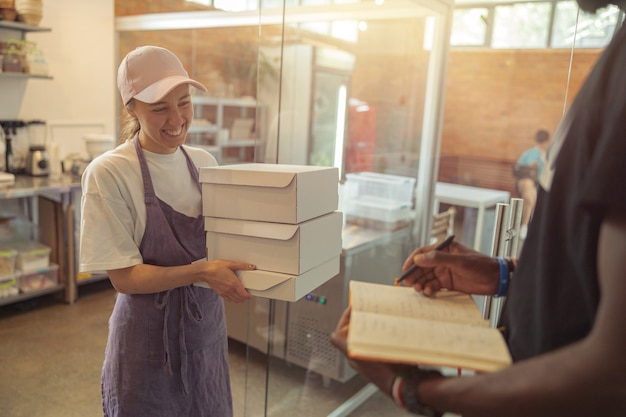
(267, 230)
(276, 231)
(287, 287)
(261, 280)
(257, 174)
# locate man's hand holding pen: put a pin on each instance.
(450, 265)
(442, 245)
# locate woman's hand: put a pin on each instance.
(220, 276)
(456, 267)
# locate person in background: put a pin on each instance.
(562, 317)
(528, 170)
(166, 353)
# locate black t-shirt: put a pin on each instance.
(554, 293)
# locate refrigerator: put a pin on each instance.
(308, 111)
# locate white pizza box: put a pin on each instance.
(277, 247)
(286, 287)
(275, 193)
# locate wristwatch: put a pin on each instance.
(409, 396)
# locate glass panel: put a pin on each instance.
(522, 25)
(346, 30)
(314, 2)
(469, 27)
(594, 31)
(328, 119)
(235, 5)
(363, 96)
(323, 28)
(277, 4)
(203, 2)
(281, 76)
(367, 102)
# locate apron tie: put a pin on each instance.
(162, 303)
(190, 307)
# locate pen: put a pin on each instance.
(444, 244)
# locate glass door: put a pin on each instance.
(356, 85)
(359, 88)
(328, 124)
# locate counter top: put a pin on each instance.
(27, 186)
(357, 238)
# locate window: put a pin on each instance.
(545, 24)
(202, 2)
(469, 27)
(521, 25)
(594, 31)
(235, 5)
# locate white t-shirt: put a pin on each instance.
(113, 211)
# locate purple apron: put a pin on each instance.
(167, 353)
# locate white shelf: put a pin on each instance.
(216, 114)
(201, 128)
(224, 101)
(241, 143)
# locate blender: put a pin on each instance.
(37, 158)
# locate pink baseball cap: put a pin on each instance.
(148, 73)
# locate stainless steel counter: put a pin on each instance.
(27, 186)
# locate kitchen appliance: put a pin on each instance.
(97, 144)
(38, 161)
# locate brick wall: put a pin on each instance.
(495, 100)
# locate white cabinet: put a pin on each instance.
(229, 128)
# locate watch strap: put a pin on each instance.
(408, 393)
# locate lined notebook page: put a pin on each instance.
(406, 302)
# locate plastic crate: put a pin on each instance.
(379, 187)
(7, 260)
(383, 211)
(9, 285)
(31, 256)
(39, 280)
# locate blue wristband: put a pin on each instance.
(504, 277)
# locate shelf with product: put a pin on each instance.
(37, 239)
(21, 62)
(229, 128)
(26, 269)
(19, 57)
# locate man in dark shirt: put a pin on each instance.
(564, 307)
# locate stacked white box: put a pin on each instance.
(269, 192)
(277, 247)
(282, 218)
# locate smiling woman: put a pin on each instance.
(142, 201)
(164, 124)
